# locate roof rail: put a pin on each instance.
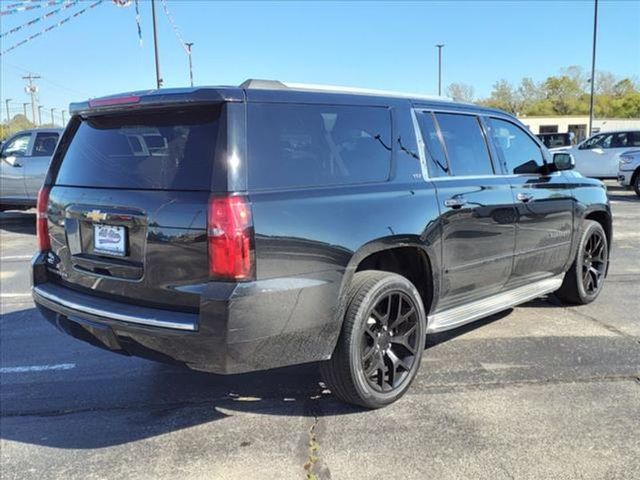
(278, 85)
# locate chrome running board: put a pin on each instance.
(457, 316)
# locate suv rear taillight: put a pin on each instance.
(231, 238)
(42, 220)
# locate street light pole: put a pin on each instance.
(155, 44)
(52, 122)
(593, 65)
(39, 115)
(6, 102)
(440, 45)
(64, 122)
(189, 45)
(24, 108)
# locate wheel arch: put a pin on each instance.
(393, 254)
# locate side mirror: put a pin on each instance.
(563, 161)
(11, 160)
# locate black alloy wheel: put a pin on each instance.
(584, 280)
(380, 347)
(594, 262)
(389, 341)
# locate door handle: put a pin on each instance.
(524, 197)
(454, 202)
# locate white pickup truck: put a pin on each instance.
(629, 170)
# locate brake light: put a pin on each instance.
(105, 102)
(231, 238)
(42, 220)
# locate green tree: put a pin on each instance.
(17, 123)
(504, 97)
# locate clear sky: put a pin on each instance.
(385, 45)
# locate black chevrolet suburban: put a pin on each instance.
(232, 229)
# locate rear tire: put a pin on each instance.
(636, 184)
(380, 347)
(583, 282)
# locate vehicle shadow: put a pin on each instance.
(117, 400)
(18, 222)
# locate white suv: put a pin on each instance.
(598, 156)
(629, 170)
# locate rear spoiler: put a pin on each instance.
(157, 99)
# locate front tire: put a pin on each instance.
(583, 282)
(380, 347)
(636, 184)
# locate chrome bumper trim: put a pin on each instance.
(110, 315)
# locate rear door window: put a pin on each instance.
(45, 144)
(314, 145)
(465, 144)
(143, 150)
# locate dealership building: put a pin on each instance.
(578, 124)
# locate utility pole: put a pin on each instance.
(24, 108)
(32, 89)
(39, 115)
(189, 45)
(52, 122)
(155, 43)
(6, 102)
(440, 45)
(64, 122)
(593, 65)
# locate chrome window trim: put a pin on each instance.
(421, 146)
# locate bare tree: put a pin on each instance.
(460, 92)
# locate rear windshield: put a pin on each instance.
(152, 150)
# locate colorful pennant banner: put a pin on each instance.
(26, 6)
(51, 27)
(36, 20)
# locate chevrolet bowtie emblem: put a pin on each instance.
(96, 215)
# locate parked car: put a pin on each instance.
(24, 160)
(556, 140)
(599, 155)
(288, 224)
(629, 170)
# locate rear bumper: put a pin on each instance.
(240, 327)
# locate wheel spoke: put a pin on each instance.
(403, 339)
(396, 363)
(374, 366)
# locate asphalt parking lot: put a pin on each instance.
(539, 391)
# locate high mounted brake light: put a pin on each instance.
(42, 220)
(105, 102)
(231, 238)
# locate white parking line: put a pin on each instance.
(15, 257)
(14, 295)
(38, 368)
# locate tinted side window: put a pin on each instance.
(312, 145)
(437, 159)
(466, 148)
(45, 144)
(516, 150)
